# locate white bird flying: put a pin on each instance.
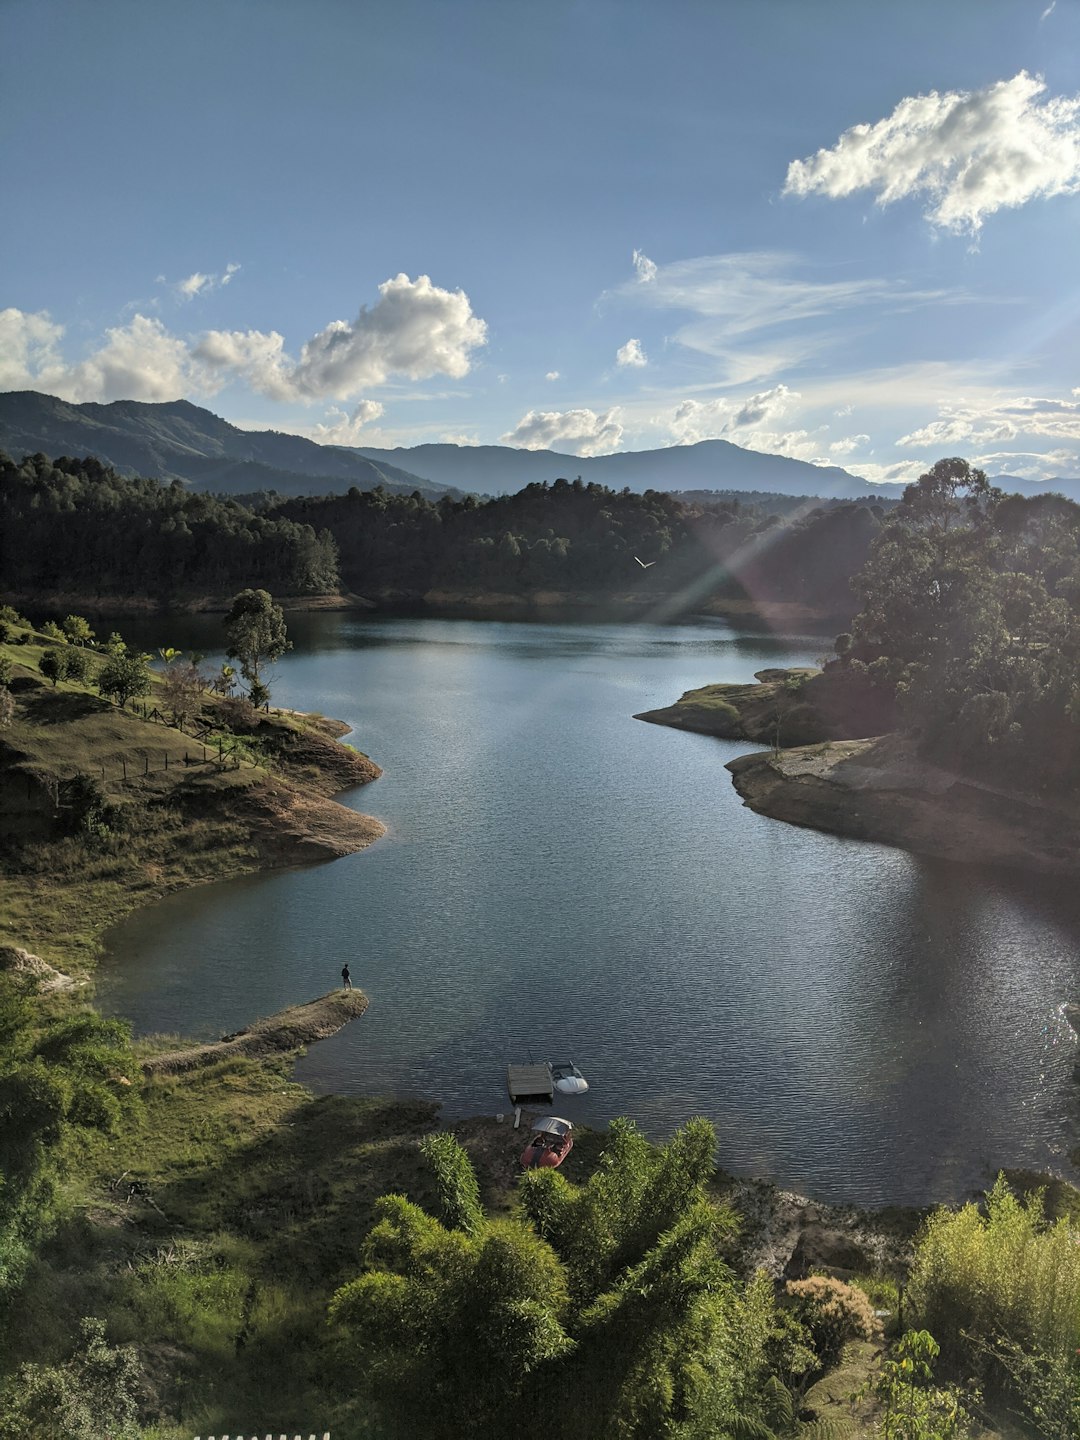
(644, 565)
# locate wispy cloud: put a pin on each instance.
(200, 283)
(971, 152)
(753, 311)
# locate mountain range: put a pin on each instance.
(181, 441)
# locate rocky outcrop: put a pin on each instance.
(784, 707)
(21, 962)
(879, 789)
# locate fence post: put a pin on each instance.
(146, 771)
(123, 761)
(166, 767)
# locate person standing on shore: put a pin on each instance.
(346, 978)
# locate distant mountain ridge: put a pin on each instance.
(706, 465)
(181, 441)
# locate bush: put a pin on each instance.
(52, 631)
(833, 1313)
(983, 1282)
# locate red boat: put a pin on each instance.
(549, 1144)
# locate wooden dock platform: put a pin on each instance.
(529, 1082)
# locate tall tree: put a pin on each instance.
(255, 630)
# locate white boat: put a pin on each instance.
(567, 1079)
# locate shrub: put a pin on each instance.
(52, 631)
(984, 1282)
(833, 1313)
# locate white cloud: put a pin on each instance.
(581, 432)
(644, 268)
(200, 284)
(717, 419)
(252, 356)
(970, 152)
(992, 422)
(459, 439)
(415, 330)
(28, 348)
(848, 443)
(552, 375)
(1031, 464)
(344, 428)
(899, 472)
(631, 354)
(733, 299)
(138, 362)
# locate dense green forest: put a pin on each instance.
(969, 613)
(577, 537)
(77, 527)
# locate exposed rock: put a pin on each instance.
(12, 958)
(787, 1234)
(879, 789)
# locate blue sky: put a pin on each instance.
(593, 226)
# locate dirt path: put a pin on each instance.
(275, 1035)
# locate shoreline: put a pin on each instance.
(878, 790)
(548, 605)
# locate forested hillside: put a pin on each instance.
(578, 537)
(77, 527)
(970, 616)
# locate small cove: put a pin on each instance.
(561, 881)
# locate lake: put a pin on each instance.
(561, 881)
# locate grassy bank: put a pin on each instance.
(180, 811)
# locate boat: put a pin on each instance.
(567, 1079)
(549, 1144)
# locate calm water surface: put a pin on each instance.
(560, 880)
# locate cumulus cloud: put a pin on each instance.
(138, 361)
(28, 348)
(718, 419)
(970, 153)
(415, 330)
(552, 375)
(631, 354)
(581, 432)
(644, 268)
(1000, 420)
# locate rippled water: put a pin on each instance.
(562, 881)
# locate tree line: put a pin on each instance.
(76, 526)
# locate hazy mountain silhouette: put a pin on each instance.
(181, 441)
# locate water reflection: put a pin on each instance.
(560, 880)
